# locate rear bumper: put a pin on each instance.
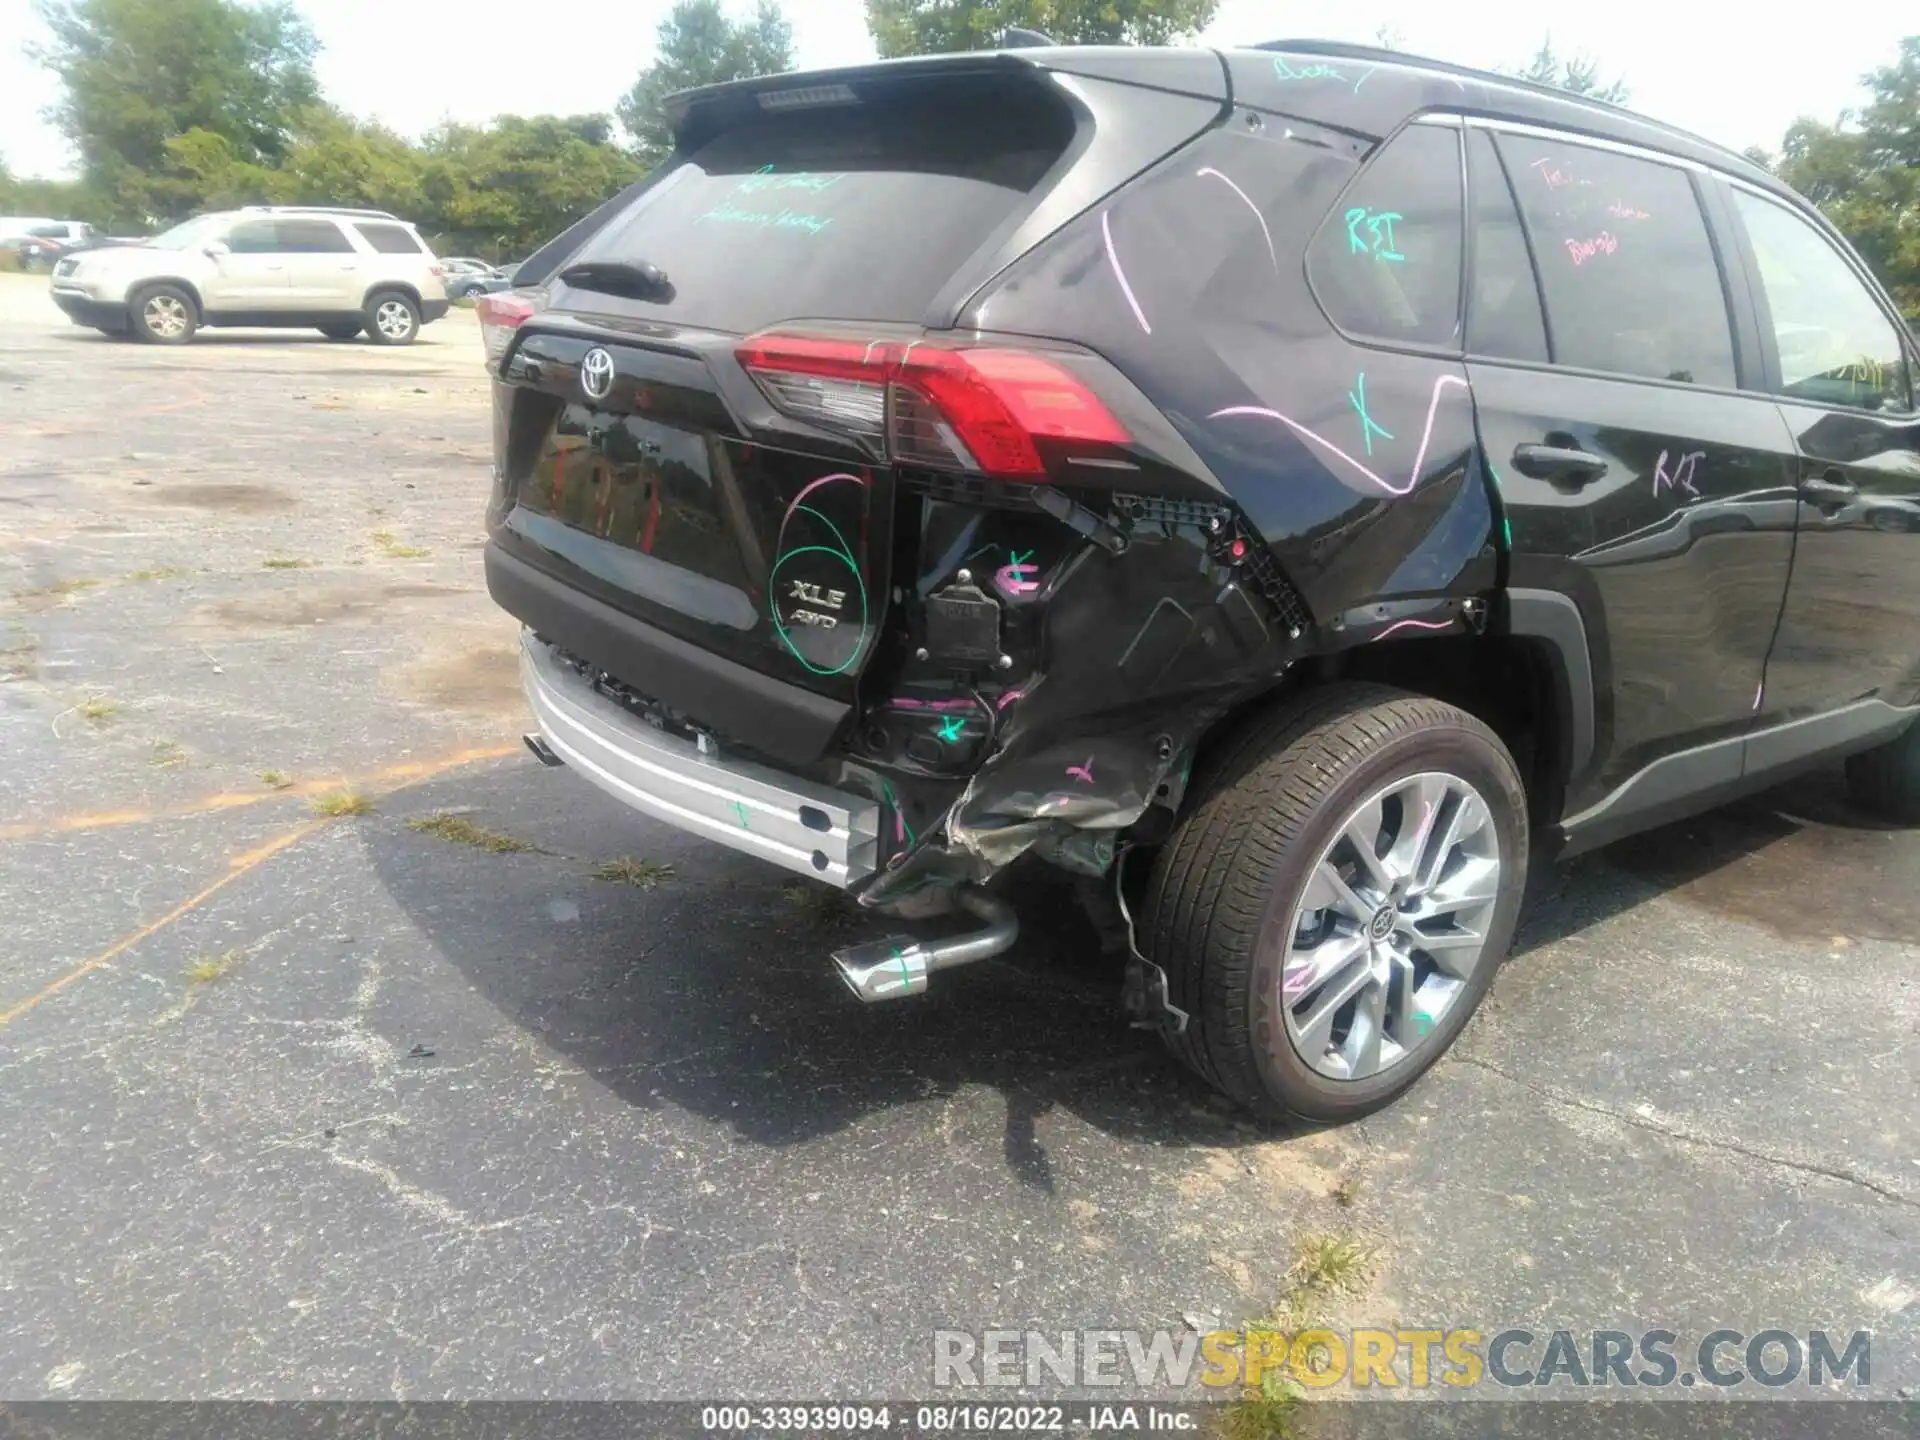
(431, 310)
(813, 829)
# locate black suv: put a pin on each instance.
(1299, 485)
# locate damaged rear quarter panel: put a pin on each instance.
(1355, 466)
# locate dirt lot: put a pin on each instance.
(303, 1106)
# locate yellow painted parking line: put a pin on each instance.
(392, 777)
(238, 866)
(388, 776)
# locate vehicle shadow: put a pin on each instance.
(1799, 860)
(713, 992)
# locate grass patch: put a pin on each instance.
(1323, 1266)
(98, 708)
(626, 870)
(168, 754)
(1258, 1415)
(161, 572)
(389, 545)
(340, 803)
(277, 779)
(64, 587)
(462, 831)
(1328, 1265)
(286, 562)
(209, 968)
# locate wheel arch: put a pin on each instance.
(1530, 677)
(179, 282)
(398, 287)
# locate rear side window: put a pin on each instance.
(389, 239)
(1503, 304)
(855, 212)
(311, 237)
(1836, 344)
(1627, 270)
(1386, 262)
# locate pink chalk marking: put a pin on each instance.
(1228, 182)
(1082, 772)
(899, 828)
(1012, 579)
(1121, 275)
(1413, 624)
(1759, 690)
(1681, 478)
(813, 485)
(1420, 456)
(1008, 699)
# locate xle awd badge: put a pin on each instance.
(811, 595)
(596, 373)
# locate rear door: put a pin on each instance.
(1835, 356)
(1636, 474)
(323, 268)
(252, 275)
(660, 478)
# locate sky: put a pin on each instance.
(413, 63)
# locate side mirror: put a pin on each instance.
(214, 249)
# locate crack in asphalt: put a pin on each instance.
(1689, 1137)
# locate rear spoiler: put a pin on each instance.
(698, 114)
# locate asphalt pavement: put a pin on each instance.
(296, 1105)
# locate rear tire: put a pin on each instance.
(392, 318)
(1261, 887)
(345, 330)
(162, 315)
(1885, 780)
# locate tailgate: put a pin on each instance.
(651, 499)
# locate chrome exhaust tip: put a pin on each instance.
(542, 751)
(897, 966)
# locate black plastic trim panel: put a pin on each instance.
(781, 721)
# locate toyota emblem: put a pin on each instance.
(596, 373)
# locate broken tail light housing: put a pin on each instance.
(500, 315)
(945, 406)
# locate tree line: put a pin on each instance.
(178, 106)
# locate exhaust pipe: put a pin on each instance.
(898, 965)
(542, 751)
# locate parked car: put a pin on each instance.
(41, 244)
(1301, 485)
(468, 279)
(342, 271)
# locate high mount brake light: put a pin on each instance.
(950, 407)
(500, 315)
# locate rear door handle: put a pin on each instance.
(1555, 462)
(1829, 489)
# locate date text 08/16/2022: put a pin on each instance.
(951, 1419)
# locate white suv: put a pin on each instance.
(342, 271)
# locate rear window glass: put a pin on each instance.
(859, 212)
(1386, 263)
(389, 239)
(311, 237)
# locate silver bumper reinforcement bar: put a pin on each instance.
(832, 835)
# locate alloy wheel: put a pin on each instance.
(394, 319)
(1391, 925)
(165, 316)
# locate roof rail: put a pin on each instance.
(320, 210)
(1379, 56)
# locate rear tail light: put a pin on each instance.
(500, 315)
(949, 407)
